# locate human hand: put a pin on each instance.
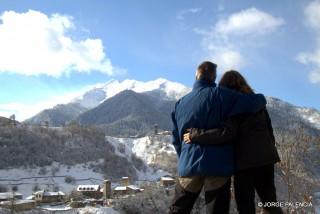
(186, 138)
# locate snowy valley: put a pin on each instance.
(122, 129)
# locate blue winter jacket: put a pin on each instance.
(206, 107)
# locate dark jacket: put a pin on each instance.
(252, 135)
(205, 107)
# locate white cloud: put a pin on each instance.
(22, 111)
(248, 22)
(313, 58)
(312, 14)
(226, 56)
(314, 76)
(229, 59)
(33, 43)
(226, 39)
(181, 14)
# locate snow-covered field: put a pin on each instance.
(26, 178)
(92, 210)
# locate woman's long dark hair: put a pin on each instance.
(234, 80)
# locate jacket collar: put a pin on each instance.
(203, 84)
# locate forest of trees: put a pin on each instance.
(35, 146)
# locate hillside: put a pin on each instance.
(286, 116)
(59, 115)
(129, 113)
(24, 147)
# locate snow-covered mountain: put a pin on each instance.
(283, 112)
(167, 89)
(310, 114)
(161, 89)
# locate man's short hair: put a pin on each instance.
(206, 71)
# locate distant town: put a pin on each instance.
(81, 196)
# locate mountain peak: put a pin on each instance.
(100, 93)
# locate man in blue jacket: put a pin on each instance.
(207, 166)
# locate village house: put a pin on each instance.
(132, 189)
(125, 188)
(48, 197)
(8, 196)
(91, 191)
(120, 190)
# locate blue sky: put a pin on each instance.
(53, 50)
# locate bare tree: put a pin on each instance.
(293, 150)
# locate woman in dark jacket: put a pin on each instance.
(255, 151)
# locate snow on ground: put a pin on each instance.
(92, 210)
(27, 178)
(86, 210)
(147, 148)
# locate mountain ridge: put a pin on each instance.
(170, 90)
(161, 90)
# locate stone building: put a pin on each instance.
(107, 191)
(91, 191)
(125, 188)
(48, 197)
